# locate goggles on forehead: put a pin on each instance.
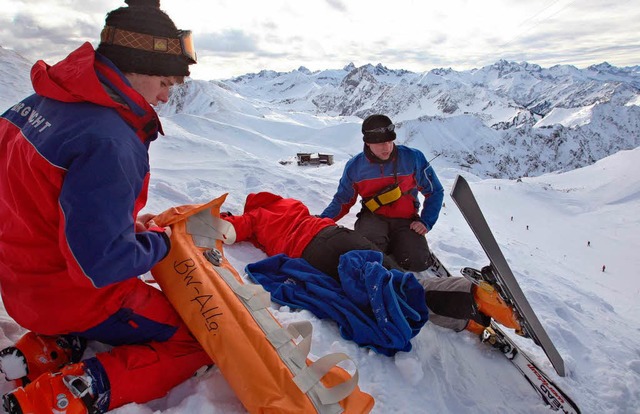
(182, 44)
(381, 130)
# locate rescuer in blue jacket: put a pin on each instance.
(388, 178)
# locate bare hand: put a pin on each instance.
(419, 228)
(145, 222)
(142, 222)
(167, 230)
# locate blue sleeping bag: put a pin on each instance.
(374, 307)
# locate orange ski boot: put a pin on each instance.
(475, 327)
(489, 302)
(66, 392)
(35, 354)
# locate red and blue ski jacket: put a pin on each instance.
(74, 173)
(365, 178)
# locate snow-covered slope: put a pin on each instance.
(15, 83)
(506, 120)
(590, 314)
(223, 139)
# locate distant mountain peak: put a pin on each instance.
(358, 76)
(349, 67)
(601, 66)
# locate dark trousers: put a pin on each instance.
(394, 237)
(324, 250)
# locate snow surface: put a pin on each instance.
(591, 315)
(229, 143)
(569, 117)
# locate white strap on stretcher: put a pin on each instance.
(293, 354)
(206, 229)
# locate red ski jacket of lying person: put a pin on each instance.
(279, 225)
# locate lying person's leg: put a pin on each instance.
(325, 249)
(456, 303)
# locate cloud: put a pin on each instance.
(35, 38)
(83, 6)
(337, 5)
(418, 36)
(27, 27)
(228, 41)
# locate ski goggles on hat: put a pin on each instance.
(381, 130)
(188, 49)
(182, 44)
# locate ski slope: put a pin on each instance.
(591, 315)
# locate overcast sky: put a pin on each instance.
(235, 37)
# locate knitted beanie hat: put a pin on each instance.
(143, 39)
(378, 128)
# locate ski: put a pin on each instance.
(436, 267)
(500, 275)
(546, 388)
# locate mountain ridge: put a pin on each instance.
(529, 120)
(539, 120)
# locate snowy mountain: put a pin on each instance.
(229, 136)
(523, 120)
(14, 72)
(506, 120)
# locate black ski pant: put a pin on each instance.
(324, 250)
(394, 237)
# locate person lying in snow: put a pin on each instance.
(285, 229)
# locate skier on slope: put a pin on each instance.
(388, 178)
(284, 225)
(75, 175)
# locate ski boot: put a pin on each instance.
(491, 300)
(36, 354)
(475, 327)
(68, 391)
(490, 303)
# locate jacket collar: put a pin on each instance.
(86, 76)
(374, 159)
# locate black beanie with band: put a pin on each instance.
(143, 39)
(378, 128)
